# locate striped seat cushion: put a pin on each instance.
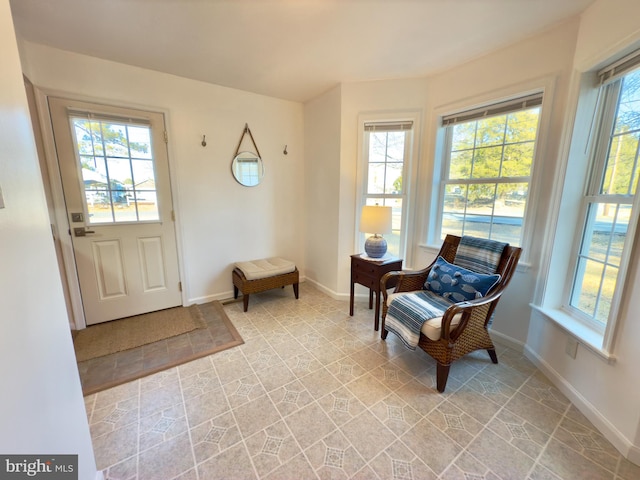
(415, 312)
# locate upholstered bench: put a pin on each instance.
(259, 275)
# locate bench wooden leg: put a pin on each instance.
(295, 290)
(245, 301)
(235, 292)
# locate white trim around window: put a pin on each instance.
(409, 120)
(525, 90)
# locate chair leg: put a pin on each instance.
(245, 301)
(384, 333)
(235, 292)
(442, 375)
(492, 354)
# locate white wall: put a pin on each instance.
(41, 406)
(219, 221)
(609, 394)
(322, 195)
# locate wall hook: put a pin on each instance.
(285, 150)
(204, 141)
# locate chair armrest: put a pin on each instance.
(407, 281)
(467, 308)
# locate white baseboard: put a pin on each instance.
(99, 475)
(333, 294)
(507, 341)
(630, 451)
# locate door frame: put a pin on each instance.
(60, 222)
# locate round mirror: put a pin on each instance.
(247, 169)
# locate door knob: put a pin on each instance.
(82, 231)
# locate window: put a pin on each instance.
(116, 161)
(387, 149)
(486, 173)
(609, 207)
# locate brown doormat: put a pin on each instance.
(127, 333)
(117, 368)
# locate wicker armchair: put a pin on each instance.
(472, 316)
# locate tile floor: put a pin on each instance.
(315, 394)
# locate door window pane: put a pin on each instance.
(117, 168)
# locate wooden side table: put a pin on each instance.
(368, 272)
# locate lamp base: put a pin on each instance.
(375, 246)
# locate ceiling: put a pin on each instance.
(289, 49)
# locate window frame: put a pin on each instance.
(431, 227)
(572, 174)
(411, 154)
(604, 118)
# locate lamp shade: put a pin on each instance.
(375, 219)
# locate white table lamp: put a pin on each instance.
(377, 220)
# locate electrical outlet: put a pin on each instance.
(571, 348)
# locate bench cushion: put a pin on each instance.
(266, 267)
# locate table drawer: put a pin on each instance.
(366, 280)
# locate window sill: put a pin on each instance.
(590, 338)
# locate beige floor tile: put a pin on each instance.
(214, 436)
(125, 470)
(161, 426)
(368, 435)
(341, 405)
(334, 457)
(519, 433)
(541, 473)
(628, 470)
(275, 376)
(271, 448)
(244, 390)
(589, 442)
(169, 459)
(346, 369)
(116, 446)
(399, 462)
(568, 464)
(232, 463)
(297, 468)
(455, 423)
(420, 397)
(368, 389)
(396, 414)
(536, 413)
(291, 398)
(309, 425)
(320, 383)
(206, 406)
(477, 405)
(466, 467)
(256, 415)
(431, 445)
(500, 457)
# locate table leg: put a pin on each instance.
(377, 317)
(370, 299)
(351, 298)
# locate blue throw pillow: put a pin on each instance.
(458, 284)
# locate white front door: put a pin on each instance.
(115, 176)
